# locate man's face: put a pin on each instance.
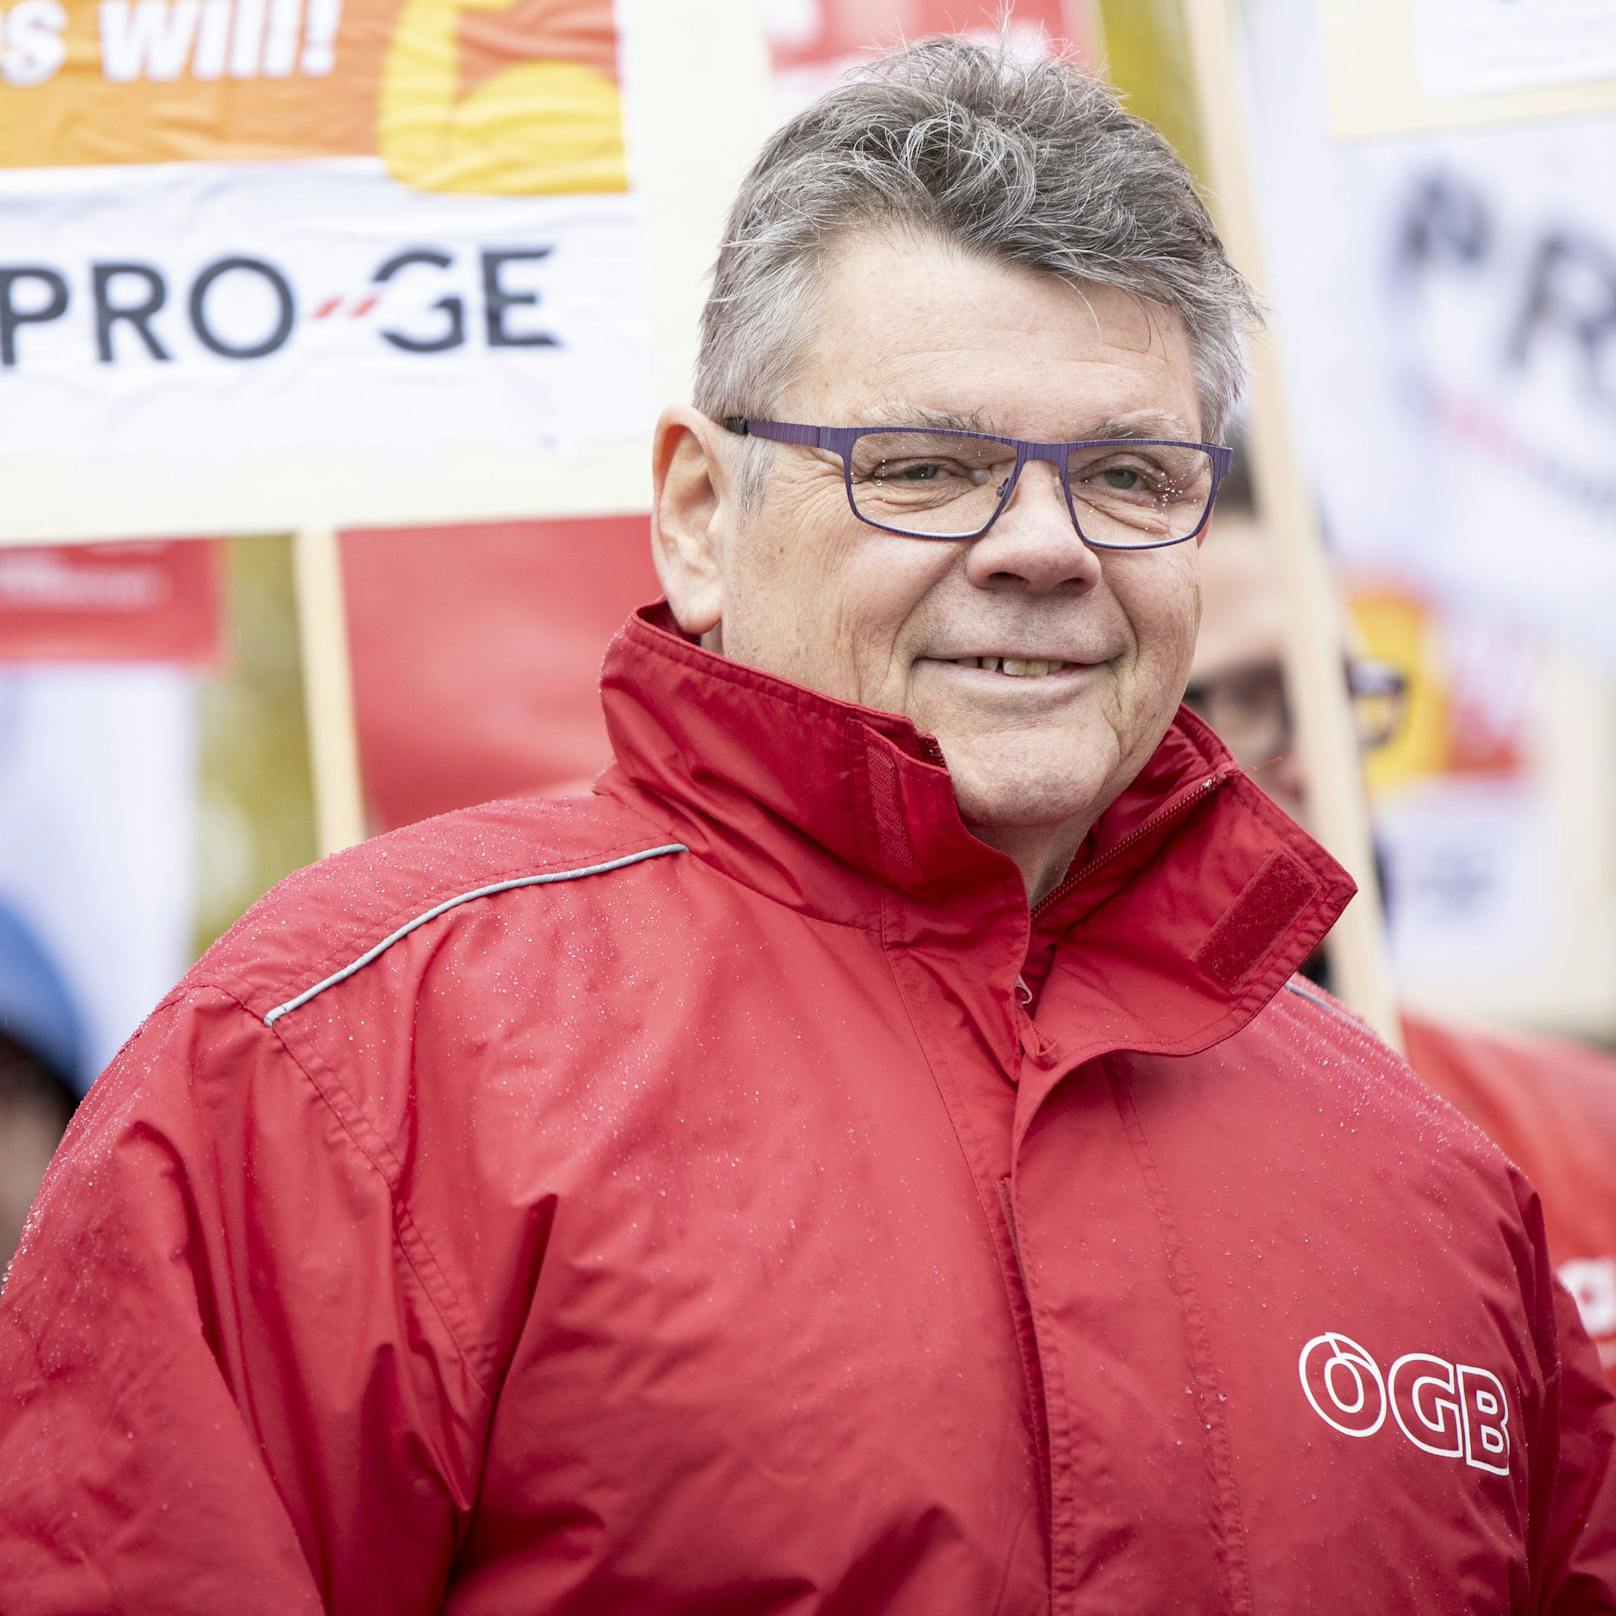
(910, 330)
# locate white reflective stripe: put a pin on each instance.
(1303, 992)
(1330, 1008)
(466, 897)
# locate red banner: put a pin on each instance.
(804, 33)
(476, 656)
(148, 602)
(813, 42)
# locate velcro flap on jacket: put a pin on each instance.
(1248, 930)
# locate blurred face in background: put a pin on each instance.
(1237, 680)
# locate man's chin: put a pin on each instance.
(1019, 781)
(1025, 804)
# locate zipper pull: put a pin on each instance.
(1023, 992)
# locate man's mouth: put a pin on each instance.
(1016, 667)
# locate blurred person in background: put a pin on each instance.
(41, 1043)
(1549, 1103)
(865, 1157)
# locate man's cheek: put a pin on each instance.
(1167, 644)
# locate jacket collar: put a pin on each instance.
(1192, 880)
(831, 808)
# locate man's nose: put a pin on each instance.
(1034, 546)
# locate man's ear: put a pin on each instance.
(691, 504)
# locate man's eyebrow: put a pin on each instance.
(1143, 424)
(895, 415)
(1134, 424)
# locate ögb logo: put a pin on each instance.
(1455, 1411)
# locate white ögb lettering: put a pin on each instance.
(1455, 1411)
(1419, 1406)
(1486, 1412)
(1350, 1381)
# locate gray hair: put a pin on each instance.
(1033, 164)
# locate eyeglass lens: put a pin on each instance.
(935, 485)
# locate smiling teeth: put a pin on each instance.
(1016, 667)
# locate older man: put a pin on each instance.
(866, 1158)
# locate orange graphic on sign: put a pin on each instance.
(1469, 695)
(467, 105)
(507, 97)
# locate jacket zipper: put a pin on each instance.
(1010, 1228)
(1167, 812)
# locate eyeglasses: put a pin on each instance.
(940, 483)
(1249, 709)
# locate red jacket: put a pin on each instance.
(1550, 1106)
(719, 1196)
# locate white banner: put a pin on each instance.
(270, 265)
(1447, 308)
(1484, 47)
(212, 313)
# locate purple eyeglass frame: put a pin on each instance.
(839, 440)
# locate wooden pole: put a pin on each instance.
(327, 689)
(1326, 744)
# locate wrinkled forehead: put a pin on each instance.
(916, 331)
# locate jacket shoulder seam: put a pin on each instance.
(1418, 1091)
(297, 1001)
(411, 1242)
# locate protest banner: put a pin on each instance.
(306, 265)
(271, 263)
(1448, 335)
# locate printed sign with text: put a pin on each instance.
(245, 229)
